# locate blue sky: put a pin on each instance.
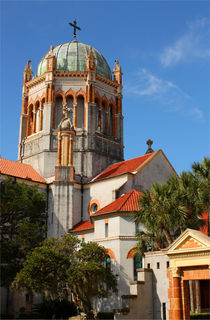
(163, 48)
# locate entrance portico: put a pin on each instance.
(189, 274)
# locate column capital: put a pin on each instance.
(176, 272)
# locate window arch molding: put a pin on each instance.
(110, 253)
(92, 202)
(71, 93)
(131, 253)
(80, 93)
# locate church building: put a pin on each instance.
(71, 144)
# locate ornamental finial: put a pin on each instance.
(149, 143)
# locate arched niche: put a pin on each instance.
(111, 110)
(70, 101)
(30, 119)
(80, 111)
(97, 116)
(37, 115)
(58, 110)
(103, 117)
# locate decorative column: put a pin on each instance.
(75, 114)
(70, 160)
(175, 295)
(107, 121)
(99, 115)
(59, 150)
(34, 120)
(197, 296)
(41, 117)
(64, 170)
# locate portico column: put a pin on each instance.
(177, 294)
(197, 296)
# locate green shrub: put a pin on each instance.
(59, 309)
(200, 316)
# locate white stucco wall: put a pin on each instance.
(103, 191)
(160, 282)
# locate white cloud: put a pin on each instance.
(193, 44)
(165, 93)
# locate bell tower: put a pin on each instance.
(75, 76)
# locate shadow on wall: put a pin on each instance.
(114, 300)
(156, 300)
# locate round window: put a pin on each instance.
(94, 208)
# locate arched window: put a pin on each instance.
(30, 119)
(108, 261)
(41, 115)
(137, 263)
(110, 119)
(96, 115)
(80, 112)
(69, 102)
(59, 110)
(37, 115)
(103, 118)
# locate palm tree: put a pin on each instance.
(202, 172)
(160, 213)
(169, 208)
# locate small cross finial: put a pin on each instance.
(149, 143)
(74, 25)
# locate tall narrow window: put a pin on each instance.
(110, 119)
(69, 102)
(96, 115)
(37, 115)
(80, 112)
(59, 110)
(103, 118)
(137, 263)
(106, 230)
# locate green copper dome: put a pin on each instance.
(72, 56)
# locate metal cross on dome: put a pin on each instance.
(74, 25)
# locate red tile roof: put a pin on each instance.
(123, 167)
(205, 228)
(19, 170)
(127, 202)
(82, 226)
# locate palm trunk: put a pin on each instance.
(168, 236)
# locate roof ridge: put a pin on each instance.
(129, 193)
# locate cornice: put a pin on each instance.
(190, 254)
(125, 238)
(72, 74)
(109, 82)
(35, 81)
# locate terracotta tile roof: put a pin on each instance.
(19, 170)
(123, 167)
(82, 226)
(205, 228)
(127, 202)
